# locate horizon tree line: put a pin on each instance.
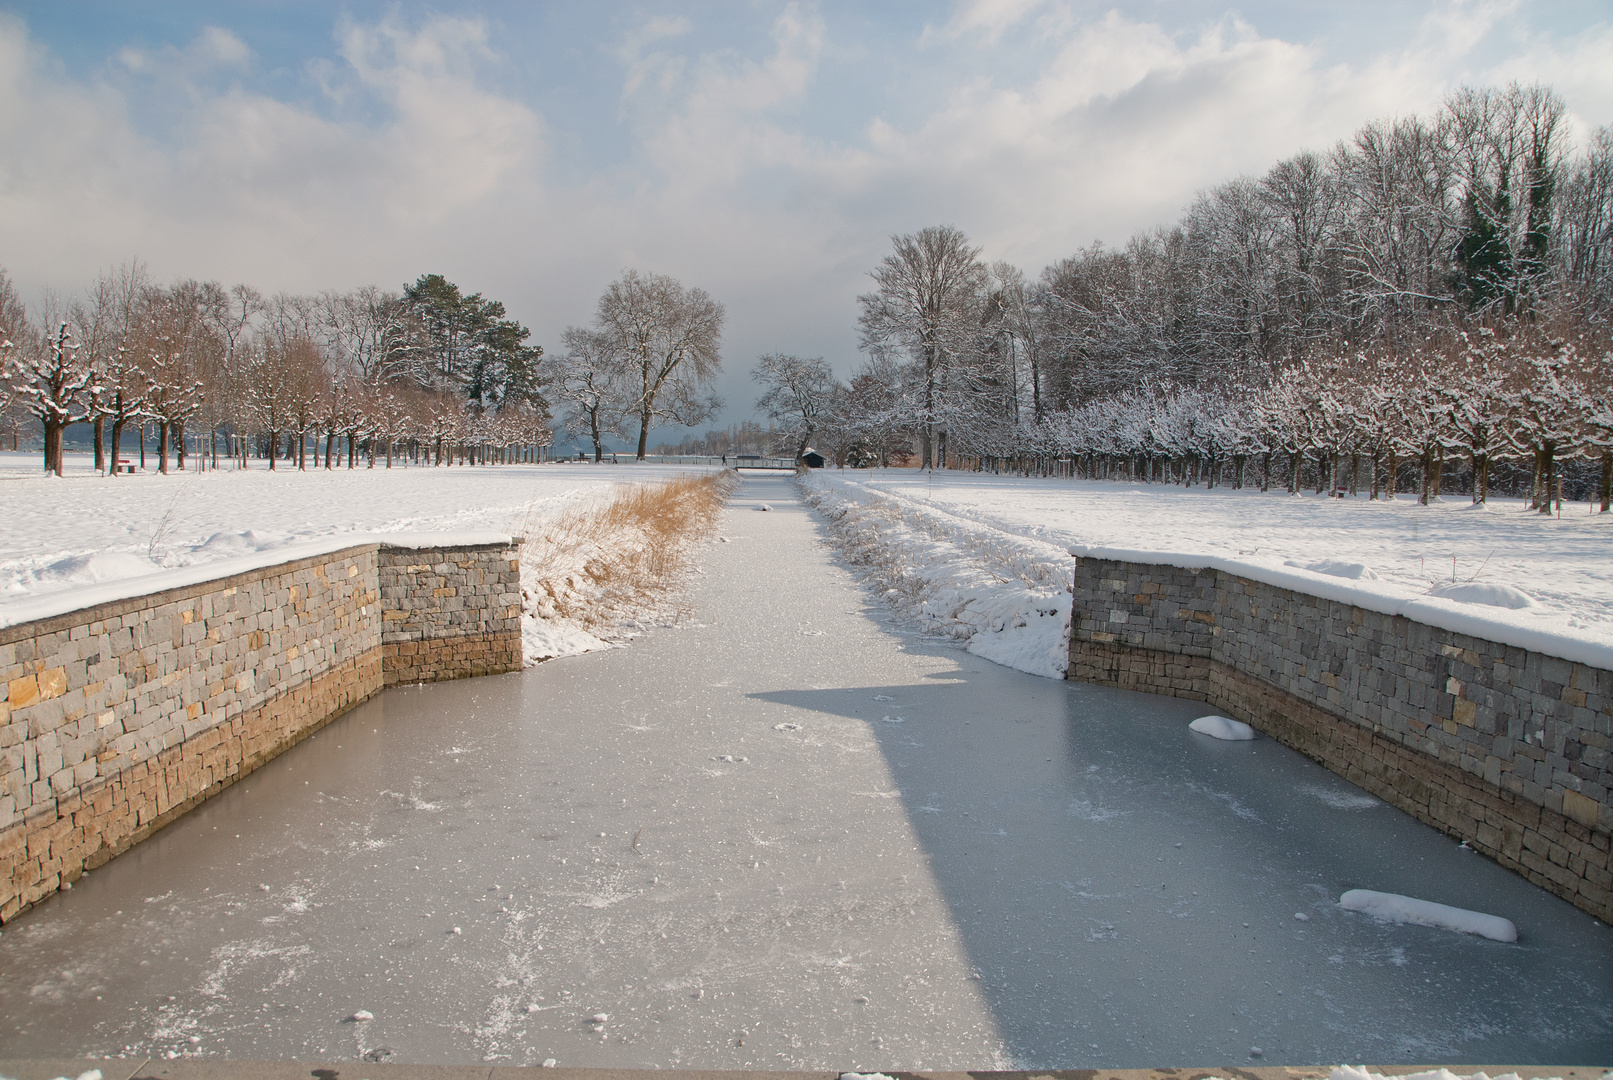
(431, 373)
(1424, 284)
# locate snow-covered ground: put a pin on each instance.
(972, 552)
(83, 538)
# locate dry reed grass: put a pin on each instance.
(618, 559)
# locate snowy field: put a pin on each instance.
(83, 538)
(981, 558)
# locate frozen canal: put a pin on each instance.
(787, 835)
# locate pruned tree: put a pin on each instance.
(53, 384)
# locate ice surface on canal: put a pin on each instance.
(713, 840)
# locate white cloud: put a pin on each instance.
(258, 188)
(212, 49)
(402, 159)
(984, 19)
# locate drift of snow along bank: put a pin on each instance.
(1561, 564)
(87, 540)
(611, 564)
(1222, 727)
(1392, 907)
(1006, 596)
(1351, 1072)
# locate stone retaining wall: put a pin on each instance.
(1504, 748)
(118, 718)
(449, 614)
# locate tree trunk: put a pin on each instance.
(179, 444)
(100, 453)
(117, 441)
(1605, 489)
(53, 446)
(1548, 473)
(162, 447)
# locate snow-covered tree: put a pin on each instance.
(800, 393)
(929, 306)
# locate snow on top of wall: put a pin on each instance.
(1522, 627)
(422, 540)
(105, 583)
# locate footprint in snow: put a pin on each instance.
(894, 719)
(883, 697)
(729, 758)
(786, 727)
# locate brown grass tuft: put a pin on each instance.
(618, 557)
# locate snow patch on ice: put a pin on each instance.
(1222, 727)
(1341, 800)
(1392, 907)
(1088, 812)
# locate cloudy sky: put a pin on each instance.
(765, 151)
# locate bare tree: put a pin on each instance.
(590, 384)
(928, 303)
(800, 392)
(667, 340)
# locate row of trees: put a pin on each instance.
(1438, 268)
(430, 371)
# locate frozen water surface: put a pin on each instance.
(711, 849)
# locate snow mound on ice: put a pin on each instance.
(1343, 568)
(1221, 727)
(1491, 594)
(1392, 907)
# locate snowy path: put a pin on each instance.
(788, 835)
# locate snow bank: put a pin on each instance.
(1406, 553)
(71, 543)
(1222, 727)
(1006, 597)
(1392, 907)
(1350, 1072)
